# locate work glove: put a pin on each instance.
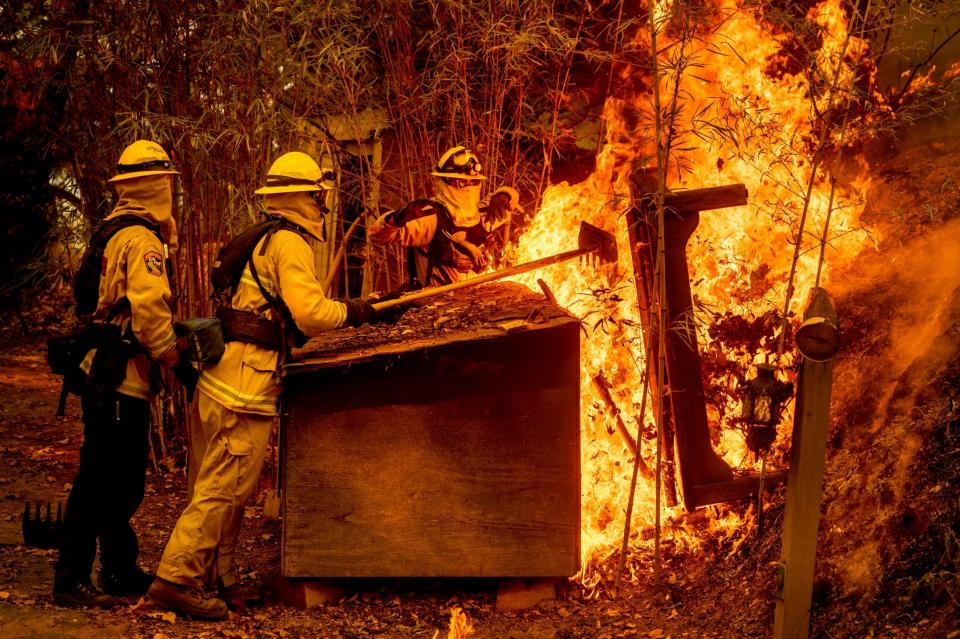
(186, 374)
(500, 207)
(359, 311)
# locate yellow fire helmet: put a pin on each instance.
(143, 158)
(296, 171)
(458, 162)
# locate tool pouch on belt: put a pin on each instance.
(294, 336)
(204, 337)
(65, 353)
(246, 326)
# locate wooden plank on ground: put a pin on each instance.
(737, 488)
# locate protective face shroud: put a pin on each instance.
(143, 158)
(458, 162)
(462, 203)
(150, 197)
(295, 171)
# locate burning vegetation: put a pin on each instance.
(848, 188)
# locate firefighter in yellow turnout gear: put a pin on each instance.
(238, 395)
(134, 305)
(449, 235)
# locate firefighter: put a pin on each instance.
(237, 399)
(134, 296)
(454, 232)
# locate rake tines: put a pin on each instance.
(42, 532)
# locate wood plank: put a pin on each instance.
(644, 183)
(521, 594)
(459, 460)
(740, 487)
(707, 199)
(697, 462)
(804, 487)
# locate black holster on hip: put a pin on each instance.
(246, 326)
(109, 365)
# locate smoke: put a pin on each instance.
(900, 308)
(920, 277)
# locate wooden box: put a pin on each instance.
(446, 445)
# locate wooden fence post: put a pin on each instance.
(818, 341)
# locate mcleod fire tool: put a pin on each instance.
(590, 241)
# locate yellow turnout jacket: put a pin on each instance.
(245, 379)
(135, 267)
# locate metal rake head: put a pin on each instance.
(42, 532)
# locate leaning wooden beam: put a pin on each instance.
(707, 199)
(818, 341)
(698, 464)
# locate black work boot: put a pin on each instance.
(82, 595)
(190, 601)
(128, 583)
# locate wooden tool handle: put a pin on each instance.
(481, 279)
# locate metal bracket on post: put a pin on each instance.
(818, 340)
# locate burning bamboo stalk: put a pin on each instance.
(603, 386)
(633, 483)
(839, 155)
(814, 167)
(660, 274)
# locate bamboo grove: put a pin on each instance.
(229, 85)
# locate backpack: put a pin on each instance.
(234, 257)
(66, 352)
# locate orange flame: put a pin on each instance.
(751, 125)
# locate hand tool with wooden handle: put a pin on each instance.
(590, 240)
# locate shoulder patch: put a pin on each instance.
(154, 263)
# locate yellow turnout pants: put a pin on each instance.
(202, 543)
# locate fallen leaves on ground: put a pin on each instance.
(167, 616)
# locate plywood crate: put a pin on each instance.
(444, 446)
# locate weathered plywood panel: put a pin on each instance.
(461, 459)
